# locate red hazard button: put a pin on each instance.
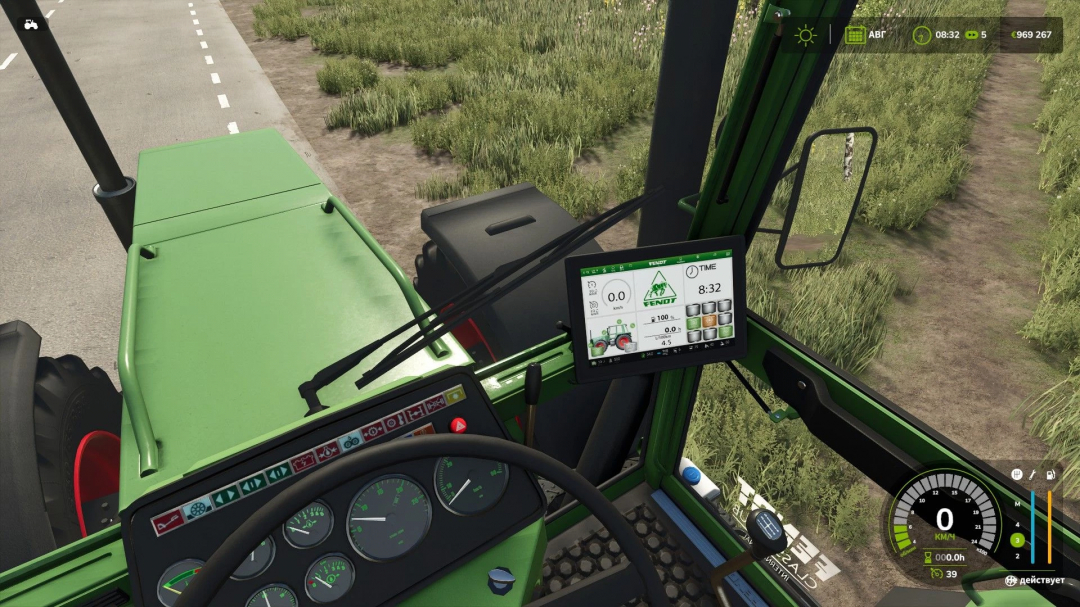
(458, 425)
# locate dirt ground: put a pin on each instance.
(376, 175)
(976, 263)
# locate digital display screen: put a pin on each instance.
(665, 302)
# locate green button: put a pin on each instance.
(278, 472)
(226, 495)
(253, 484)
(1017, 540)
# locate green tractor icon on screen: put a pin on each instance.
(618, 335)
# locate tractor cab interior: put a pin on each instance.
(300, 423)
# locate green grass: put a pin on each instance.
(537, 83)
(1054, 416)
(800, 476)
(345, 75)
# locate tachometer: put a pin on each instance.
(175, 579)
(942, 524)
(275, 595)
(468, 486)
(256, 562)
(388, 518)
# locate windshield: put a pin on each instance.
(946, 299)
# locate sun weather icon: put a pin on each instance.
(805, 35)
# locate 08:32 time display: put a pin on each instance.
(708, 288)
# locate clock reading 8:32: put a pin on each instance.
(706, 289)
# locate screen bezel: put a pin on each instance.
(586, 373)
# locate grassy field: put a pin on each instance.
(840, 311)
(1055, 416)
(519, 91)
(532, 85)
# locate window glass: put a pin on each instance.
(935, 301)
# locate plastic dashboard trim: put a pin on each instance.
(467, 379)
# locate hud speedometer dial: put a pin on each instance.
(942, 524)
(468, 486)
(388, 518)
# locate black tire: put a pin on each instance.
(70, 401)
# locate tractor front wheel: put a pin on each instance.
(622, 341)
(75, 407)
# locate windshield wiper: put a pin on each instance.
(466, 303)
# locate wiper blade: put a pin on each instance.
(465, 303)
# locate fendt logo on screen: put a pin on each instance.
(660, 293)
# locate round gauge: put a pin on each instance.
(388, 518)
(256, 562)
(329, 578)
(310, 526)
(175, 579)
(942, 523)
(468, 486)
(274, 595)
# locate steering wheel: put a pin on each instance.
(274, 513)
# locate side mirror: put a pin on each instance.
(825, 196)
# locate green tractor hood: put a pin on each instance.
(244, 278)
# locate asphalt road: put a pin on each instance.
(154, 73)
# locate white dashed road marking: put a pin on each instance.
(233, 129)
(203, 44)
(198, 32)
(209, 60)
(215, 78)
(190, 5)
(7, 61)
(194, 21)
(49, 14)
(223, 101)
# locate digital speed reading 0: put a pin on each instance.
(657, 307)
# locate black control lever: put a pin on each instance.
(532, 397)
(767, 538)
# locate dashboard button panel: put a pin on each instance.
(186, 521)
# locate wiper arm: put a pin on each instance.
(465, 303)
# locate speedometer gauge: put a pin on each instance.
(388, 518)
(468, 486)
(942, 524)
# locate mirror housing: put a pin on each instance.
(797, 190)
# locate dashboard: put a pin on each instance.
(374, 540)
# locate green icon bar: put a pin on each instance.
(650, 263)
(253, 484)
(278, 472)
(225, 496)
